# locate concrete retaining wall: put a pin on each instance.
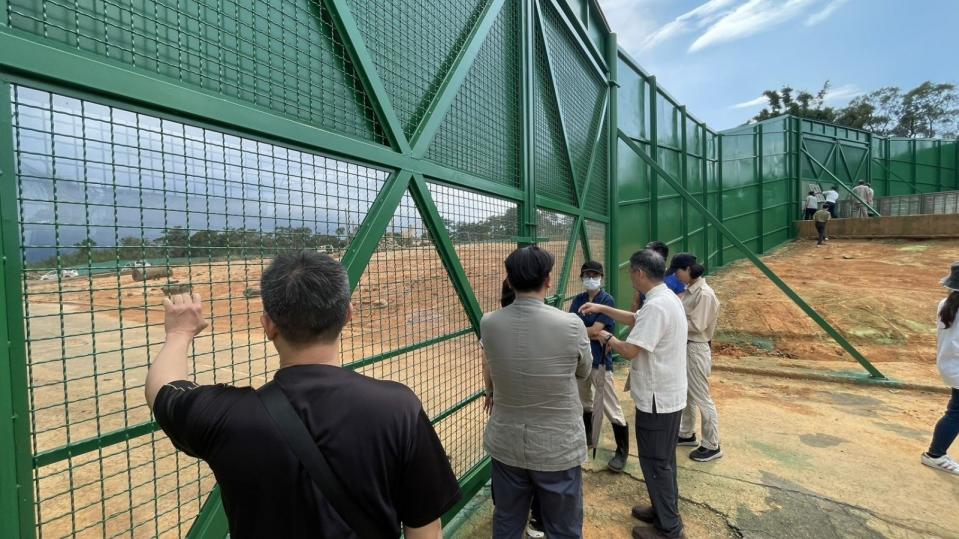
(910, 226)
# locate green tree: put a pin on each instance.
(804, 105)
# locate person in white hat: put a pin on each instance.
(947, 359)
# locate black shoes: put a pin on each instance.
(688, 441)
(705, 455)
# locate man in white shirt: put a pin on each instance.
(862, 191)
(657, 348)
(832, 197)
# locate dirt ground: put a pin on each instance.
(803, 459)
(881, 294)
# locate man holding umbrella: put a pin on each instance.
(601, 381)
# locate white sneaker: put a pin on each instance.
(533, 533)
(943, 464)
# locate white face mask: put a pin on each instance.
(592, 283)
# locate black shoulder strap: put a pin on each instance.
(304, 447)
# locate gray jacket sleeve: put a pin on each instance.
(585, 364)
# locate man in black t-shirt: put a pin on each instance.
(374, 433)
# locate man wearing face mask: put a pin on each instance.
(601, 380)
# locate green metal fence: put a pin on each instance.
(417, 141)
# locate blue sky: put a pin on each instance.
(714, 55)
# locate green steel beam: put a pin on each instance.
(457, 407)
(16, 467)
(719, 209)
(915, 166)
(212, 521)
(612, 123)
(790, 293)
(684, 174)
(378, 358)
(434, 224)
(92, 444)
(704, 174)
(654, 152)
(528, 221)
(558, 102)
(760, 180)
(571, 244)
(444, 97)
(592, 156)
(355, 46)
(840, 182)
(550, 203)
(587, 250)
(373, 227)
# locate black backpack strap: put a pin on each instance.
(317, 467)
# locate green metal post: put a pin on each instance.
(815, 316)
(684, 174)
(212, 520)
(915, 166)
(888, 170)
(612, 123)
(654, 153)
(703, 174)
(528, 84)
(571, 244)
(761, 203)
(938, 166)
(16, 464)
(719, 209)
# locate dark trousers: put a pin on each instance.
(947, 428)
(656, 436)
(808, 214)
(821, 229)
(560, 496)
(831, 208)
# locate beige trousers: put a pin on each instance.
(699, 363)
(601, 382)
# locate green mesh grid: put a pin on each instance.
(552, 169)
(102, 193)
(482, 229)
(574, 285)
(413, 44)
(596, 234)
(556, 228)
(482, 131)
(236, 49)
(597, 197)
(580, 89)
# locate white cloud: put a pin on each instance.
(700, 17)
(843, 93)
(761, 100)
(751, 18)
(826, 12)
(632, 20)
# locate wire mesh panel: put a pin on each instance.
(554, 177)
(117, 210)
(580, 90)
(556, 228)
(481, 228)
(413, 44)
(597, 196)
(574, 284)
(481, 133)
(232, 48)
(596, 234)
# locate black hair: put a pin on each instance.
(686, 261)
(528, 267)
(507, 296)
(660, 248)
(835, 187)
(948, 312)
(649, 262)
(812, 193)
(307, 295)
